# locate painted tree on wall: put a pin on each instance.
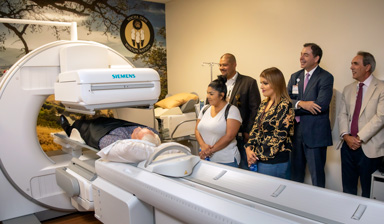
(96, 15)
(104, 15)
(93, 16)
(156, 58)
(101, 15)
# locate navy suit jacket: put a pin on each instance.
(315, 129)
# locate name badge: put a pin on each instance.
(295, 89)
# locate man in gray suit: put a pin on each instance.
(242, 91)
(311, 90)
(361, 122)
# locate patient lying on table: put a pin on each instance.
(101, 132)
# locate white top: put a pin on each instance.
(133, 34)
(213, 128)
(142, 34)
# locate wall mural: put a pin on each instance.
(134, 28)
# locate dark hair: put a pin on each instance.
(219, 85)
(368, 59)
(316, 50)
(137, 24)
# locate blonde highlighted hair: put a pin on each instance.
(277, 81)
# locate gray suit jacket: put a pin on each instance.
(371, 118)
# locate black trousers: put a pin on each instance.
(243, 155)
(355, 164)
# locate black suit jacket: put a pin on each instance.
(246, 96)
(316, 129)
(93, 130)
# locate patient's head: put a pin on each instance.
(146, 135)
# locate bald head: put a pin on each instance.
(227, 65)
(146, 135)
(230, 57)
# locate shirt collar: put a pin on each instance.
(233, 79)
(311, 72)
(368, 81)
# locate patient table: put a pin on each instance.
(208, 193)
(215, 193)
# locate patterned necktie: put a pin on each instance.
(356, 113)
(306, 81)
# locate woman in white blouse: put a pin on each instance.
(217, 126)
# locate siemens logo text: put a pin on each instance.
(123, 76)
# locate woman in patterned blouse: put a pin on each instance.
(270, 139)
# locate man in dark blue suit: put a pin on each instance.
(311, 91)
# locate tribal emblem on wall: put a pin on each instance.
(137, 34)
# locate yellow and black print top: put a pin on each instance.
(270, 137)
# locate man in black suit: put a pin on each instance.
(311, 91)
(103, 131)
(242, 91)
